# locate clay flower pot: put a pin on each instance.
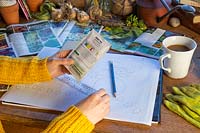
(150, 10)
(10, 14)
(78, 3)
(34, 5)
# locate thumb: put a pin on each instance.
(65, 62)
(62, 54)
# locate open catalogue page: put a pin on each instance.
(29, 38)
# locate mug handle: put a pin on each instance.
(161, 62)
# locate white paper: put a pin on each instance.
(136, 82)
(53, 95)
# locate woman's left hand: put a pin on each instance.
(56, 64)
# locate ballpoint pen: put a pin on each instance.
(112, 78)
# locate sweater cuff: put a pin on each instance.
(70, 121)
(23, 70)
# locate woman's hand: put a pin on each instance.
(56, 64)
(96, 106)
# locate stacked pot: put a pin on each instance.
(9, 10)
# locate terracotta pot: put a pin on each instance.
(78, 3)
(10, 14)
(150, 15)
(152, 3)
(150, 10)
(34, 5)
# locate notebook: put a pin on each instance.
(158, 102)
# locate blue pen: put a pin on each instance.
(112, 78)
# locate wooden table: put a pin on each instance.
(170, 122)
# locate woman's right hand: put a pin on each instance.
(96, 106)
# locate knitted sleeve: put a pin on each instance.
(30, 70)
(1, 128)
(23, 70)
(70, 121)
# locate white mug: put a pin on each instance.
(176, 63)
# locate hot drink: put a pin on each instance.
(178, 52)
(178, 47)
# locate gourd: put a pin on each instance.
(94, 11)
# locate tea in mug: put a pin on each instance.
(178, 47)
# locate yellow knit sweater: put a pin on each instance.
(30, 70)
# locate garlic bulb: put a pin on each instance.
(174, 22)
(56, 14)
(82, 17)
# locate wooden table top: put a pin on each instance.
(170, 122)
